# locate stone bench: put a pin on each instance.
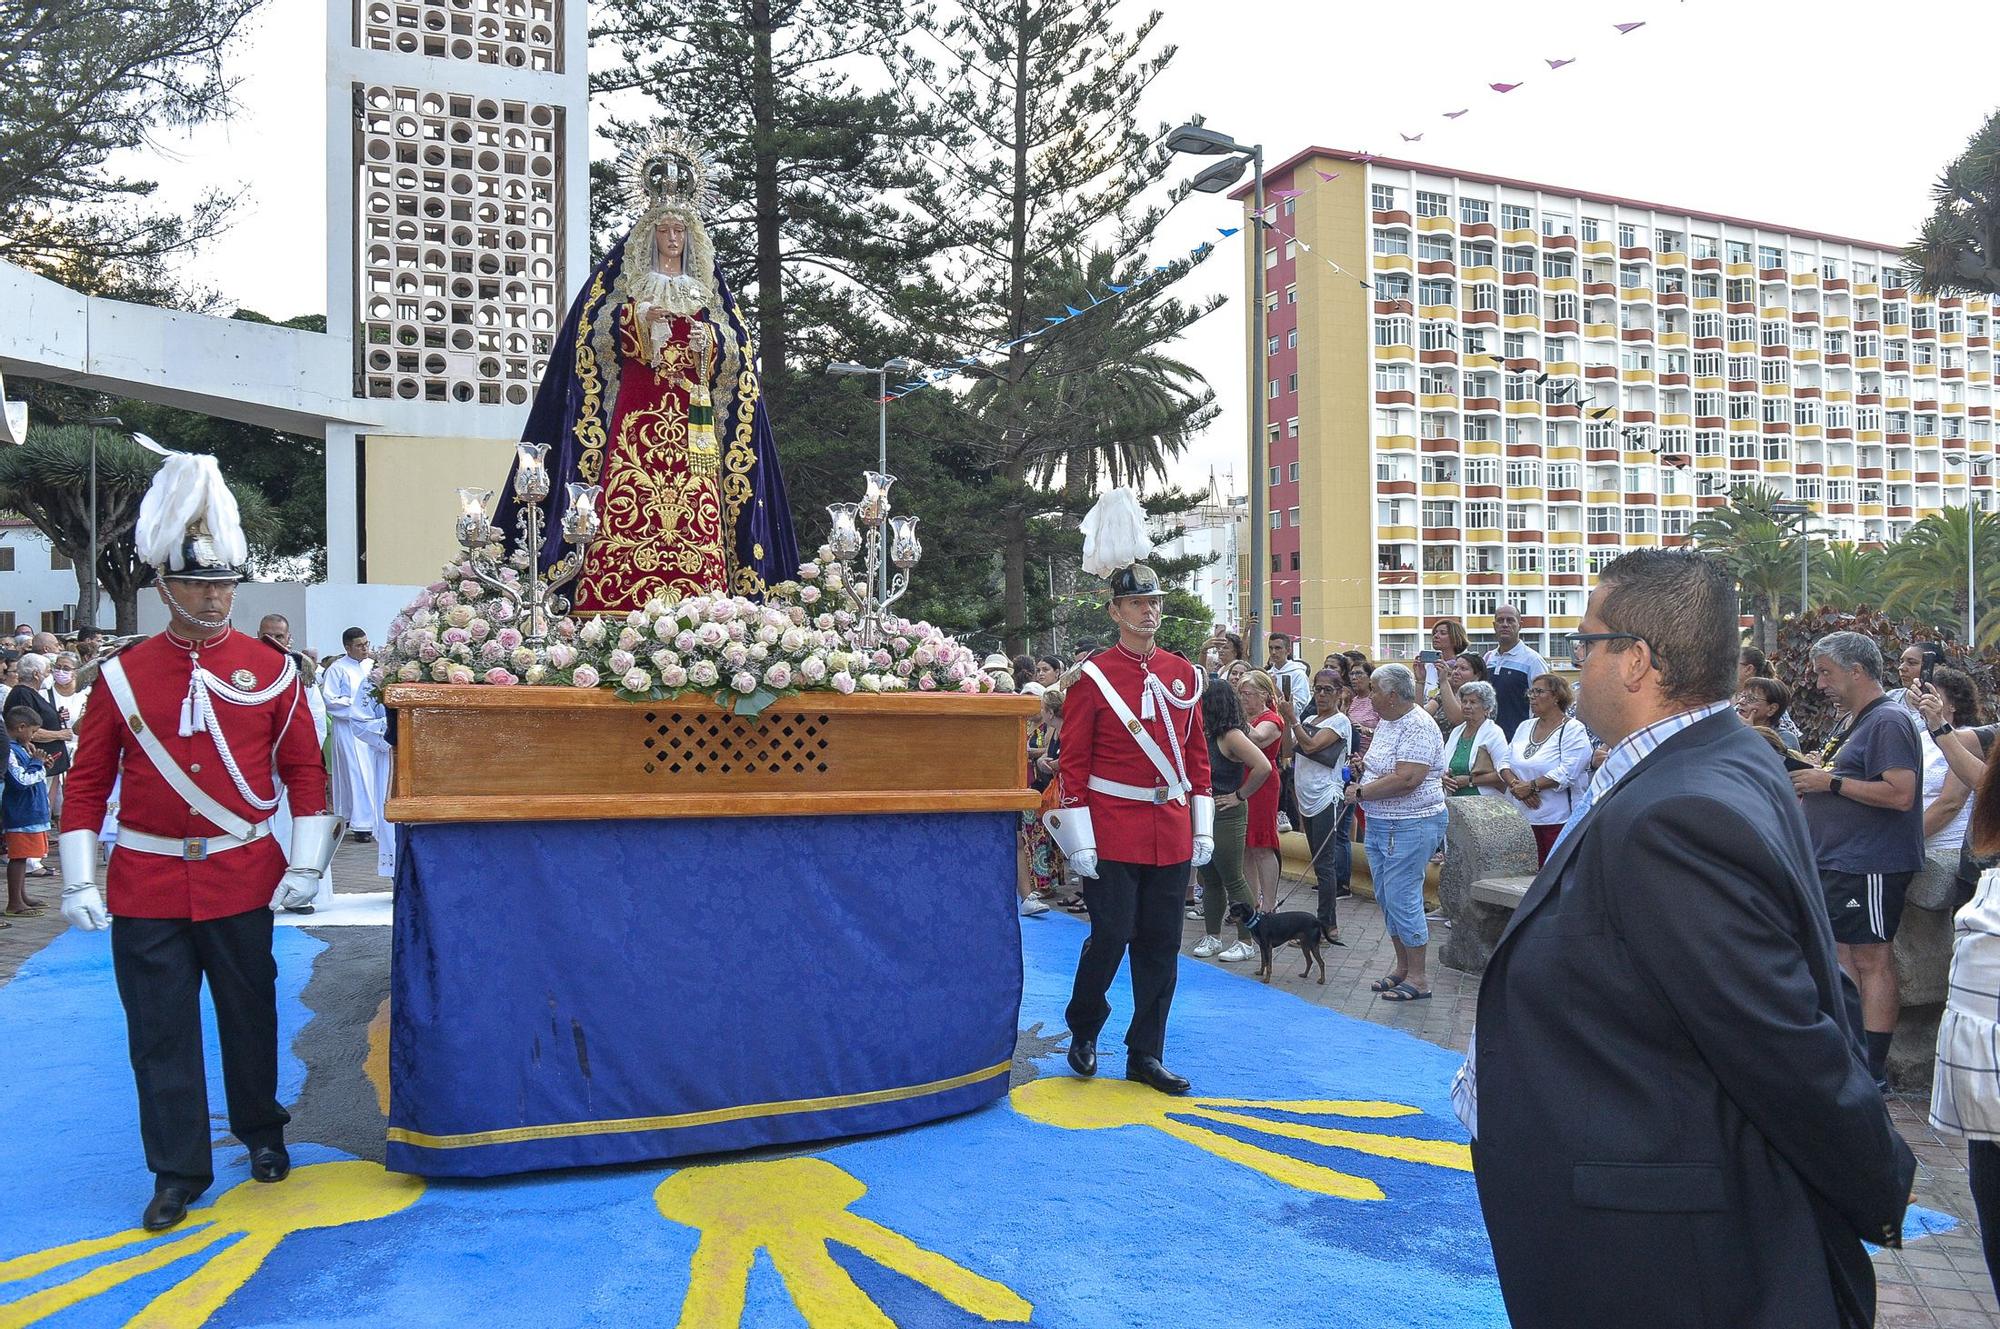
(1923, 969)
(1489, 862)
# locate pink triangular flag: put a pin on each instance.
(1413, 138)
(1286, 193)
(1326, 175)
(1558, 64)
(1503, 87)
(1453, 115)
(1624, 28)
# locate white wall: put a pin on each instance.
(33, 588)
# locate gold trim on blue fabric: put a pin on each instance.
(564, 1130)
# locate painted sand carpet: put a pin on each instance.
(1328, 1185)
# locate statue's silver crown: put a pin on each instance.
(668, 169)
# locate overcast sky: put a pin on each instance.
(1829, 115)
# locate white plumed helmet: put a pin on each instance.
(189, 526)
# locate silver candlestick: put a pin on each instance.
(536, 597)
(858, 529)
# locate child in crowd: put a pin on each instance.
(24, 807)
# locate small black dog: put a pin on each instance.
(1275, 930)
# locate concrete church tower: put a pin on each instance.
(457, 157)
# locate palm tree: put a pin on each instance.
(47, 480)
(1925, 574)
(1958, 250)
(1850, 576)
(1759, 544)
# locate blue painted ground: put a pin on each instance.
(1107, 1227)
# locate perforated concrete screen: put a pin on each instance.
(457, 277)
(517, 34)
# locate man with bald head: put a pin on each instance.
(1510, 666)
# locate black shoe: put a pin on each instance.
(1342, 893)
(362, 837)
(270, 1163)
(169, 1206)
(1083, 1054)
(1149, 1072)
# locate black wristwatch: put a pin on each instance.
(1833, 786)
(1943, 729)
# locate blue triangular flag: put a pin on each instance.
(1119, 289)
(1229, 230)
(1072, 310)
(968, 360)
(1051, 318)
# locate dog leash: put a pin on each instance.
(1311, 868)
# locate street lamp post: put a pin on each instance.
(897, 365)
(89, 614)
(1200, 141)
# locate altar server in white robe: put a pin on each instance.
(360, 743)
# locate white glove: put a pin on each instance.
(82, 902)
(1084, 861)
(1204, 850)
(296, 889)
(83, 906)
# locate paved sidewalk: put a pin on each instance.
(1937, 1283)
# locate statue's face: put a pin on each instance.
(669, 245)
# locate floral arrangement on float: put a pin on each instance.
(488, 621)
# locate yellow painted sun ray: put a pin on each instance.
(791, 1208)
(85, 1286)
(1279, 1167)
(1315, 1107)
(202, 1293)
(27, 1266)
(1438, 1153)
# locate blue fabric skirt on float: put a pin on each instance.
(588, 992)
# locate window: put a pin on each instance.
(1271, 435)
(1382, 197)
(1476, 254)
(1434, 248)
(1707, 286)
(1292, 473)
(1563, 475)
(1776, 371)
(1291, 293)
(1672, 242)
(1562, 604)
(1707, 443)
(1440, 513)
(1271, 346)
(1524, 558)
(1559, 263)
(1291, 382)
(1630, 236)
(1594, 227)
(1474, 211)
(1482, 470)
(1273, 393)
(1291, 248)
(1485, 295)
(1517, 517)
(1483, 515)
(6, 558)
(1517, 260)
(1295, 560)
(1774, 333)
(1292, 340)
(1437, 291)
(1392, 286)
(1705, 246)
(1271, 257)
(1738, 251)
(1440, 470)
(1557, 223)
(1391, 242)
(1278, 518)
(1641, 521)
(1292, 427)
(1291, 516)
(1291, 206)
(1480, 602)
(1392, 378)
(1769, 257)
(1432, 205)
(1564, 559)
(1515, 217)
(1522, 300)
(1602, 521)
(1771, 410)
(1708, 325)
(58, 561)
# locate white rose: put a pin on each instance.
(637, 680)
(703, 673)
(621, 661)
(744, 681)
(593, 632)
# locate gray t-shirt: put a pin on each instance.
(1851, 837)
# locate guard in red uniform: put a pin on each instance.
(1136, 810)
(197, 720)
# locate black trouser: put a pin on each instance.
(1135, 906)
(160, 964)
(1983, 1157)
(1329, 833)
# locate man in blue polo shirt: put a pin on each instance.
(1510, 667)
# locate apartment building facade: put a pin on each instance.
(1533, 380)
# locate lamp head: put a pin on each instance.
(1219, 176)
(1200, 141)
(848, 367)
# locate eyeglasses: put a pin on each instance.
(1579, 643)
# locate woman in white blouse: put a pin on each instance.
(1476, 755)
(1549, 759)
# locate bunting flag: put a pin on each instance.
(1558, 64)
(1326, 175)
(1503, 87)
(1413, 138)
(1624, 28)
(1453, 115)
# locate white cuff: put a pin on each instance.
(79, 858)
(1071, 830)
(1204, 816)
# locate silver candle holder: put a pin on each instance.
(867, 530)
(536, 598)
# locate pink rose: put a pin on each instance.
(584, 677)
(673, 676)
(508, 638)
(843, 682)
(500, 678)
(972, 685)
(744, 681)
(458, 674)
(637, 680)
(629, 640)
(561, 654)
(778, 676)
(927, 684)
(622, 661)
(427, 652)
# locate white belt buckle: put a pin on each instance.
(1160, 794)
(194, 849)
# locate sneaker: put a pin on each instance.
(1029, 907)
(1284, 823)
(1206, 947)
(1238, 951)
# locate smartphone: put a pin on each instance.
(1428, 657)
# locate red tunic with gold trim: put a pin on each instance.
(662, 504)
(277, 734)
(1096, 742)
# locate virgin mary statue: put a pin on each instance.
(652, 393)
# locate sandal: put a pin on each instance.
(1404, 992)
(1387, 983)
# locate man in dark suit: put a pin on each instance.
(1673, 1123)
